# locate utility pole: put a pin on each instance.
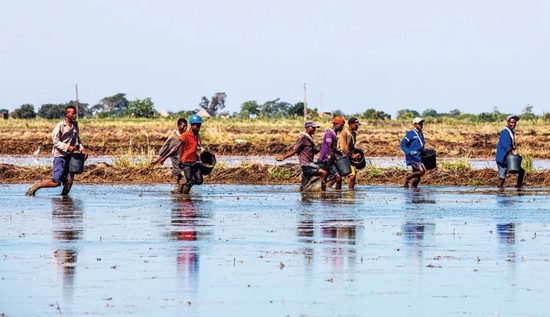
(305, 103)
(76, 102)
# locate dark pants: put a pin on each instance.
(192, 172)
(61, 170)
(309, 171)
(503, 169)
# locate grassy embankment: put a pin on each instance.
(132, 143)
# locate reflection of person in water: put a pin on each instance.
(414, 233)
(340, 232)
(507, 233)
(67, 228)
(184, 220)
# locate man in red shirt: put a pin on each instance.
(189, 160)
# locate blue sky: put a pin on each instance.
(353, 55)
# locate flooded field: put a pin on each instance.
(272, 251)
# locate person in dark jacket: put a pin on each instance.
(507, 145)
(413, 146)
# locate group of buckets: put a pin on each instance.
(344, 163)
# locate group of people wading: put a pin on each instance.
(339, 141)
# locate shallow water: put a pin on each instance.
(269, 250)
(235, 160)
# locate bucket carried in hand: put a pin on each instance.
(76, 163)
(429, 159)
(208, 162)
(323, 165)
(513, 161)
(360, 163)
(343, 166)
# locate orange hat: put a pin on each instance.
(339, 120)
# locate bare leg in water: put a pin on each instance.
(414, 176)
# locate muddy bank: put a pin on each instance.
(377, 141)
(102, 173)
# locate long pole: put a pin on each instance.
(76, 89)
(305, 103)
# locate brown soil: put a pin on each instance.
(377, 139)
(102, 173)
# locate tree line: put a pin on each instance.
(118, 106)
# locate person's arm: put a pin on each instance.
(168, 144)
(287, 155)
(162, 158)
(405, 142)
(295, 149)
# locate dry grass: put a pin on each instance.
(260, 137)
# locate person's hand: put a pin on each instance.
(413, 152)
(155, 161)
(279, 158)
(355, 156)
(71, 148)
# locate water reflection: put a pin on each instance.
(414, 233)
(67, 228)
(419, 196)
(342, 235)
(507, 233)
(331, 197)
(186, 224)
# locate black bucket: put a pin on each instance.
(323, 165)
(343, 166)
(360, 163)
(429, 159)
(208, 162)
(76, 163)
(514, 163)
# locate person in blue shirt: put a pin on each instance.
(507, 145)
(413, 146)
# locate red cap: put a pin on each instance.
(339, 120)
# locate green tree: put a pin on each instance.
(52, 111)
(274, 108)
(115, 105)
(26, 111)
(83, 109)
(407, 114)
(141, 108)
(338, 112)
(250, 108)
(454, 113)
(528, 113)
(298, 110)
(373, 114)
(217, 103)
(204, 103)
(430, 113)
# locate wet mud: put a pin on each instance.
(134, 250)
(101, 173)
